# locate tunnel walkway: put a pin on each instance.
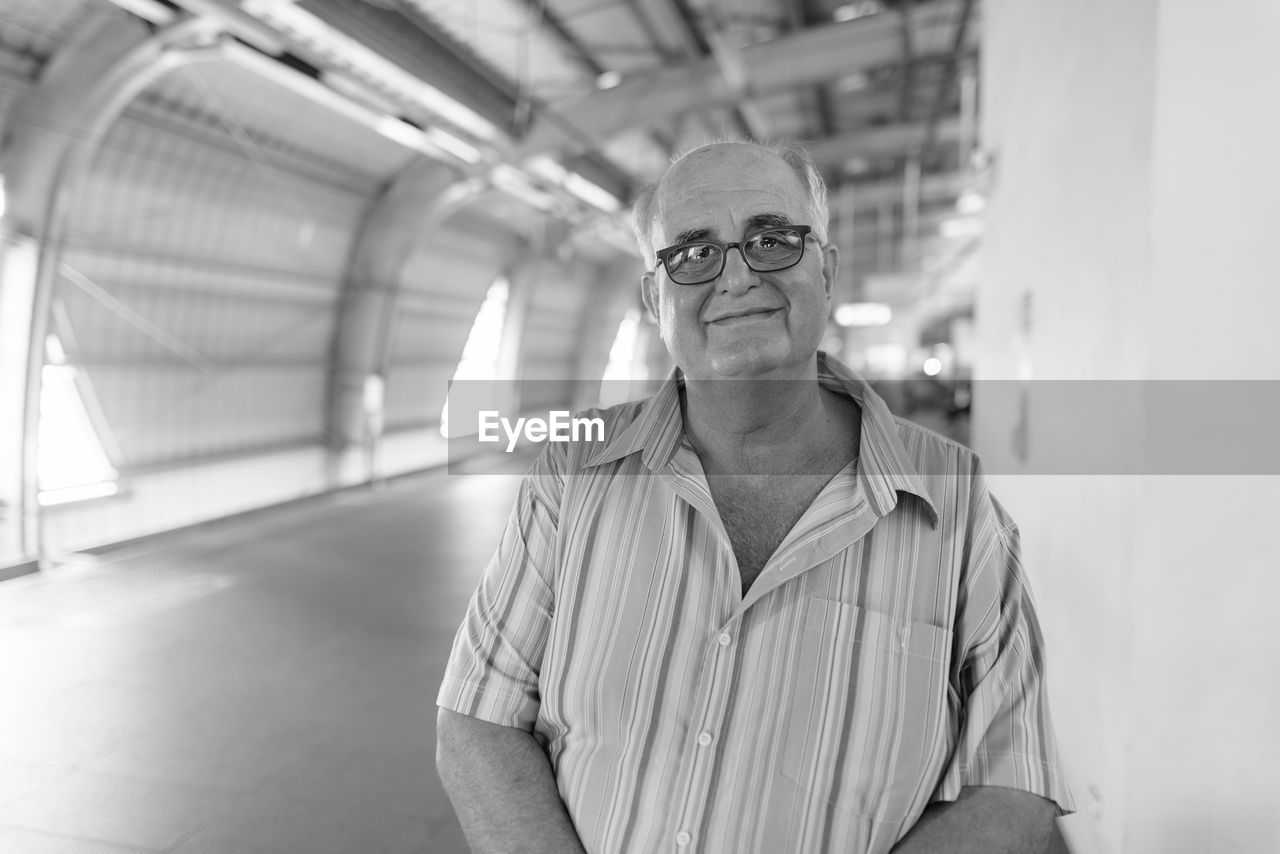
(264, 684)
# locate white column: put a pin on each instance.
(1131, 236)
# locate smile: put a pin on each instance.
(755, 314)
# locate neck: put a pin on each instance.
(761, 426)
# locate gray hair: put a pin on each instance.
(644, 214)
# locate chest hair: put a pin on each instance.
(759, 511)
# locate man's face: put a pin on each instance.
(742, 324)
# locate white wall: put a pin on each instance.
(1134, 144)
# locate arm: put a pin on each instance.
(986, 820)
(502, 788)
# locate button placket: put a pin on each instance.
(720, 667)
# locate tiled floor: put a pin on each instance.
(263, 685)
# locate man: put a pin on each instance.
(762, 615)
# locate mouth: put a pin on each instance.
(738, 316)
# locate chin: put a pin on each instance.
(747, 365)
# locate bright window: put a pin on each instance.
(72, 463)
(623, 371)
(479, 360)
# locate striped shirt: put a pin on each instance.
(887, 655)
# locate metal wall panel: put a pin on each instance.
(201, 280)
(552, 334)
(162, 415)
(444, 284)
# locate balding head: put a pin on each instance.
(648, 206)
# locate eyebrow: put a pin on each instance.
(763, 220)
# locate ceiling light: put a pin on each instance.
(515, 183)
(863, 314)
(591, 193)
(151, 10)
(450, 143)
(297, 82)
(400, 131)
(357, 91)
(434, 143)
(857, 165)
(365, 61)
(855, 82)
(960, 227)
(853, 11)
(971, 202)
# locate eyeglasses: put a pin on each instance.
(766, 250)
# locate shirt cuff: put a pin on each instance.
(1010, 771)
(496, 707)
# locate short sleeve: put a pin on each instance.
(1005, 735)
(493, 667)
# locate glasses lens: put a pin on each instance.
(695, 262)
(775, 249)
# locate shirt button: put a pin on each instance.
(724, 639)
(683, 838)
(705, 739)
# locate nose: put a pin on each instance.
(737, 277)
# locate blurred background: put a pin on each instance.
(246, 246)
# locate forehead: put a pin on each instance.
(720, 187)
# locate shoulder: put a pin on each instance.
(594, 435)
(934, 454)
(956, 479)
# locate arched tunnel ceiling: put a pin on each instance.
(608, 89)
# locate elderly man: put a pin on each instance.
(762, 615)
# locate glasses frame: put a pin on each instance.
(664, 254)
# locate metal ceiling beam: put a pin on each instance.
(886, 141)
(959, 41)
(933, 188)
(799, 59)
(710, 45)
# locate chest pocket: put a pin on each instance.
(867, 717)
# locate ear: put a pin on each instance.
(649, 292)
(830, 267)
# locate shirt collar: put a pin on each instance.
(882, 460)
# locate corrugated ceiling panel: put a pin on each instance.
(507, 35)
(12, 87)
(619, 38)
(156, 190)
(39, 27)
(201, 281)
(279, 121)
